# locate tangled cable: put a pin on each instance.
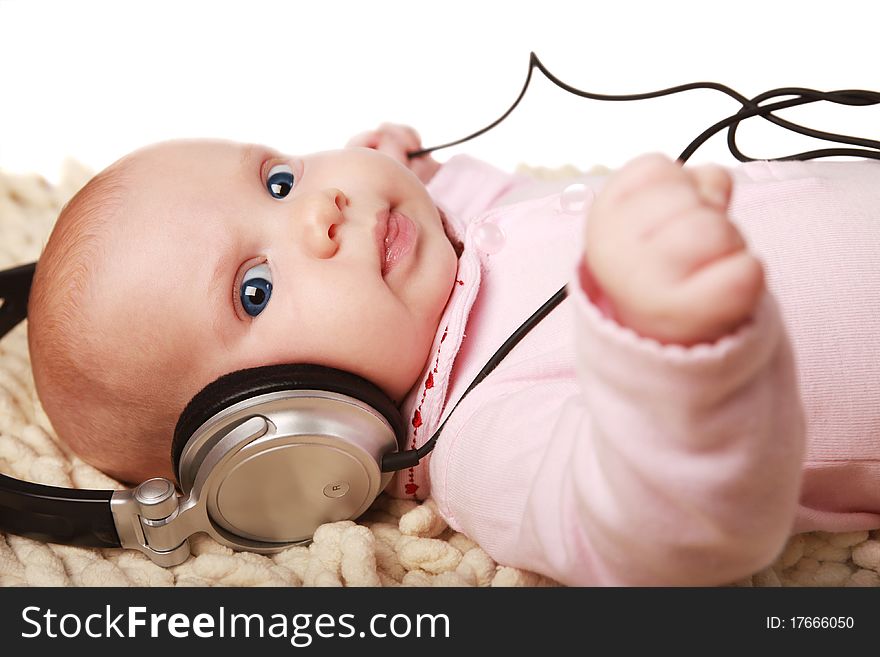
(750, 107)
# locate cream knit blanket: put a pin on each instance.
(397, 543)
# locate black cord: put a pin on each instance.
(407, 459)
(750, 108)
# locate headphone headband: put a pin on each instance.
(57, 515)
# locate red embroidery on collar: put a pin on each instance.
(411, 487)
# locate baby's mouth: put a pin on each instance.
(391, 232)
(396, 235)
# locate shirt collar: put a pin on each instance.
(423, 406)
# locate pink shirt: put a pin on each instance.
(596, 456)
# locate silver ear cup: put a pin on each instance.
(273, 468)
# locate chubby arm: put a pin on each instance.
(695, 421)
(685, 466)
(667, 465)
(664, 465)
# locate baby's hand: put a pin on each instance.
(663, 251)
(396, 141)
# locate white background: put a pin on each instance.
(94, 80)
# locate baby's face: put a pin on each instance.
(218, 263)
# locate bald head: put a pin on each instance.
(98, 404)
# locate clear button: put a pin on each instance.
(489, 238)
(574, 198)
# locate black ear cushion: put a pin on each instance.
(237, 386)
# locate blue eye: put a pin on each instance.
(279, 182)
(256, 288)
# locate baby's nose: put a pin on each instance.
(322, 214)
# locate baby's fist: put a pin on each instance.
(662, 249)
(396, 141)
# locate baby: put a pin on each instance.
(698, 397)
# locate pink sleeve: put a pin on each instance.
(467, 187)
(664, 465)
(685, 466)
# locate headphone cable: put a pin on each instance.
(750, 107)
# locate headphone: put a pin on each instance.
(265, 455)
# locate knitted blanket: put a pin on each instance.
(396, 543)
